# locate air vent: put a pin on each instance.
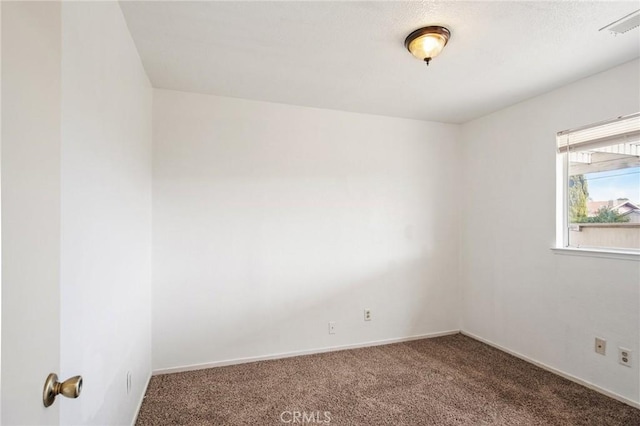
(624, 24)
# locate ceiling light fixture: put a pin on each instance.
(427, 43)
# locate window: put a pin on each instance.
(599, 183)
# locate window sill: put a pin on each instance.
(602, 253)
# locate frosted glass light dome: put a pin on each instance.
(427, 43)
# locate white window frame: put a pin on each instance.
(562, 216)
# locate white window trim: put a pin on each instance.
(562, 229)
(597, 252)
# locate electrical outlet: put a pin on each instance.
(601, 346)
(332, 327)
(624, 357)
(367, 314)
(128, 382)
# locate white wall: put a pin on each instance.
(272, 220)
(516, 292)
(106, 215)
(0, 212)
(30, 208)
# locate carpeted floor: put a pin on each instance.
(452, 380)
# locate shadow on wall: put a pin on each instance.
(406, 299)
(272, 220)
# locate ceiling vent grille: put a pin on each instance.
(624, 24)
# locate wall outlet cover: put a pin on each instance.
(367, 314)
(128, 382)
(624, 357)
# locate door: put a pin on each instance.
(76, 213)
(30, 193)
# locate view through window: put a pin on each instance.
(602, 166)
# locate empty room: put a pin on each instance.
(319, 212)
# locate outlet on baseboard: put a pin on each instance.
(601, 346)
(624, 357)
(332, 327)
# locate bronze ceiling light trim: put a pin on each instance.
(427, 43)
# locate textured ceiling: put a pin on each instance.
(350, 55)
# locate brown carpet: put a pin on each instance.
(452, 380)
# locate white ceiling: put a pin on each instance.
(350, 55)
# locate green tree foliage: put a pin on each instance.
(578, 195)
(607, 215)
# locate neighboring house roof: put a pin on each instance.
(623, 208)
(594, 206)
(626, 207)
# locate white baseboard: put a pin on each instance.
(556, 371)
(298, 353)
(144, 392)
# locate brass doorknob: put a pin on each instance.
(70, 388)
